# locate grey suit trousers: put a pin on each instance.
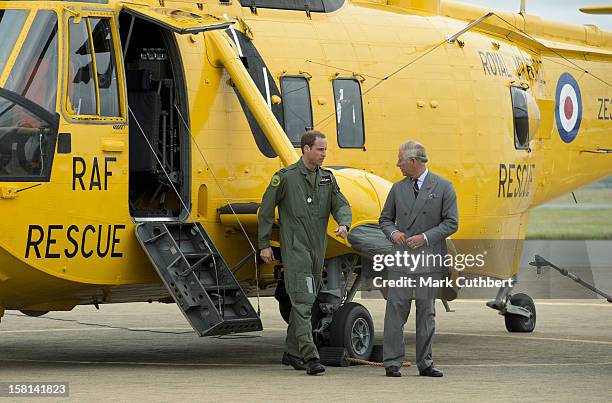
(399, 301)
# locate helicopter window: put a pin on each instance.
(297, 110)
(27, 140)
(81, 84)
(105, 67)
(349, 113)
(11, 23)
(521, 118)
(260, 73)
(33, 74)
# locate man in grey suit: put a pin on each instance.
(418, 216)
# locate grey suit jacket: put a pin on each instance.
(434, 213)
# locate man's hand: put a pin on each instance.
(341, 231)
(416, 241)
(267, 255)
(398, 238)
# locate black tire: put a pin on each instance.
(284, 302)
(284, 306)
(517, 323)
(34, 314)
(315, 317)
(353, 329)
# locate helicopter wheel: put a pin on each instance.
(517, 323)
(34, 314)
(353, 329)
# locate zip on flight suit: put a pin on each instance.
(304, 199)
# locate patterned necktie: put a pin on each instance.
(415, 187)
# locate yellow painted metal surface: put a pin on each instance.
(453, 98)
(177, 19)
(228, 58)
(597, 10)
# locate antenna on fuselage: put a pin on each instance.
(453, 38)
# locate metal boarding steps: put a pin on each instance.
(198, 278)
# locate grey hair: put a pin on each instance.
(412, 149)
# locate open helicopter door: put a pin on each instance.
(177, 20)
(187, 261)
(158, 108)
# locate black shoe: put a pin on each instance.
(393, 372)
(296, 362)
(431, 371)
(314, 367)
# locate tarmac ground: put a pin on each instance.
(139, 351)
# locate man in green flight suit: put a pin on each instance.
(305, 195)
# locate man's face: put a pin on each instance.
(316, 154)
(406, 165)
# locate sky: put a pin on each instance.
(559, 10)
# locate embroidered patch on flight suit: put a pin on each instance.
(275, 180)
(325, 180)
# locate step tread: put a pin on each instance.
(200, 309)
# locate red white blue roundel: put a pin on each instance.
(568, 109)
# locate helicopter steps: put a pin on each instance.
(198, 278)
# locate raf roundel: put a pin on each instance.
(568, 107)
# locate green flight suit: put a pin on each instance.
(305, 200)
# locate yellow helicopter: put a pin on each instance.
(137, 139)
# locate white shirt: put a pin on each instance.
(422, 178)
(420, 185)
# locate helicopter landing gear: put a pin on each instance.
(341, 327)
(518, 310)
(353, 329)
(520, 323)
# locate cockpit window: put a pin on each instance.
(11, 24)
(34, 74)
(27, 139)
(93, 85)
(105, 67)
(81, 82)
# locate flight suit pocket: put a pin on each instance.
(298, 245)
(301, 287)
(299, 258)
(324, 191)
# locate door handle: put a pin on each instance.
(113, 146)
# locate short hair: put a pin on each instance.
(412, 149)
(309, 138)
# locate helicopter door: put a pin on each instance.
(177, 20)
(92, 143)
(159, 172)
